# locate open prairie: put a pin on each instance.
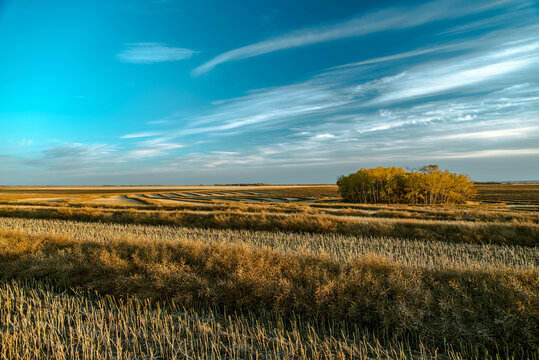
(402, 106)
(265, 272)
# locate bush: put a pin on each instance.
(394, 185)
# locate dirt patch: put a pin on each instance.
(114, 200)
(49, 200)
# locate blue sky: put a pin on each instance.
(204, 92)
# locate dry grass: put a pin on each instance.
(495, 309)
(473, 232)
(415, 253)
(291, 273)
(38, 321)
(490, 213)
(523, 193)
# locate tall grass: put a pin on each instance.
(417, 253)
(38, 321)
(495, 309)
(216, 279)
(514, 233)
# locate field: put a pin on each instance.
(265, 272)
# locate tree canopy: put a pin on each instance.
(392, 185)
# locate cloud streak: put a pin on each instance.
(138, 135)
(149, 53)
(473, 104)
(384, 20)
(473, 100)
(157, 146)
(342, 95)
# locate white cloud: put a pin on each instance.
(394, 57)
(324, 136)
(78, 150)
(423, 84)
(392, 19)
(491, 67)
(144, 153)
(340, 94)
(491, 153)
(489, 102)
(492, 134)
(268, 108)
(149, 53)
(477, 102)
(154, 147)
(138, 135)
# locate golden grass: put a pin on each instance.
(515, 233)
(494, 309)
(199, 277)
(415, 253)
(483, 213)
(37, 321)
(524, 193)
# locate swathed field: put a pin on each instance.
(265, 272)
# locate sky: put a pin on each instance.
(204, 92)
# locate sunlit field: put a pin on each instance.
(266, 272)
(373, 167)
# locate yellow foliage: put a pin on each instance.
(394, 185)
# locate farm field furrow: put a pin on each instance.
(339, 247)
(525, 232)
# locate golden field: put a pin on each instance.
(263, 272)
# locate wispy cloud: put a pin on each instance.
(414, 85)
(77, 150)
(493, 153)
(518, 15)
(153, 147)
(323, 136)
(72, 157)
(341, 94)
(400, 56)
(138, 135)
(498, 62)
(475, 100)
(149, 53)
(454, 102)
(391, 19)
(492, 134)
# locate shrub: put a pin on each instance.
(394, 185)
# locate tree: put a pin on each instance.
(389, 185)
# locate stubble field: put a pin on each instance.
(262, 272)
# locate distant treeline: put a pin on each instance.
(392, 185)
(253, 184)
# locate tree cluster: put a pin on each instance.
(392, 185)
